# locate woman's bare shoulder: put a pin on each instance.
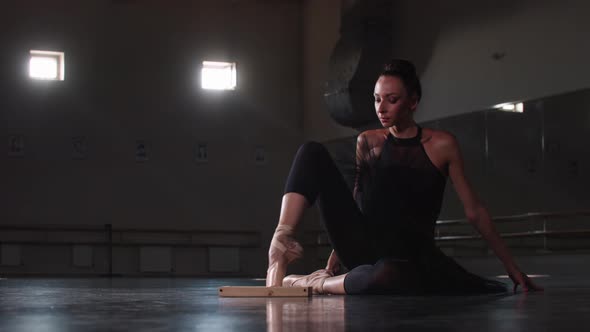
(373, 136)
(438, 136)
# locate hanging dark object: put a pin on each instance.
(365, 45)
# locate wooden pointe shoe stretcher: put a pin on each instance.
(262, 291)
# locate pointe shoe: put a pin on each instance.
(283, 250)
(314, 280)
(284, 243)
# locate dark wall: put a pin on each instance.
(536, 161)
(131, 74)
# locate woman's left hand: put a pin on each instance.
(519, 278)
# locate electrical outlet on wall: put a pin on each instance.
(201, 153)
(16, 146)
(79, 147)
(142, 151)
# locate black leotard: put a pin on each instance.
(401, 192)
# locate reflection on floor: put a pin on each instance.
(163, 304)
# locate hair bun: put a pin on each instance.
(400, 65)
(406, 71)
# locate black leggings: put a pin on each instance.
(315, 176)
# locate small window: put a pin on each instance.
(218, 75)
(46, 65)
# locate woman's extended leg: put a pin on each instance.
(321, 281)
(387, 276)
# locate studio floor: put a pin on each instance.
(183, 304)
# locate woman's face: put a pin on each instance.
(393, 105)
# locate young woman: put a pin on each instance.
(385, 234)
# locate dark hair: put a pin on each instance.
(406, 71)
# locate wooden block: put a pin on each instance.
(261, 291)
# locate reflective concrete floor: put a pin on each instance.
(161, 304)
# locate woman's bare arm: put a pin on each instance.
(478, 215)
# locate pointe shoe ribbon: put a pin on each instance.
(283, 250)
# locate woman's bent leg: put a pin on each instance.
(315, 176)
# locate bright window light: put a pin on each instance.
(508, 107)
(504, 276)
(46, 65)
(218, 75)
(511, 107)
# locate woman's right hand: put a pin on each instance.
(283, 250)
(333, 264)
